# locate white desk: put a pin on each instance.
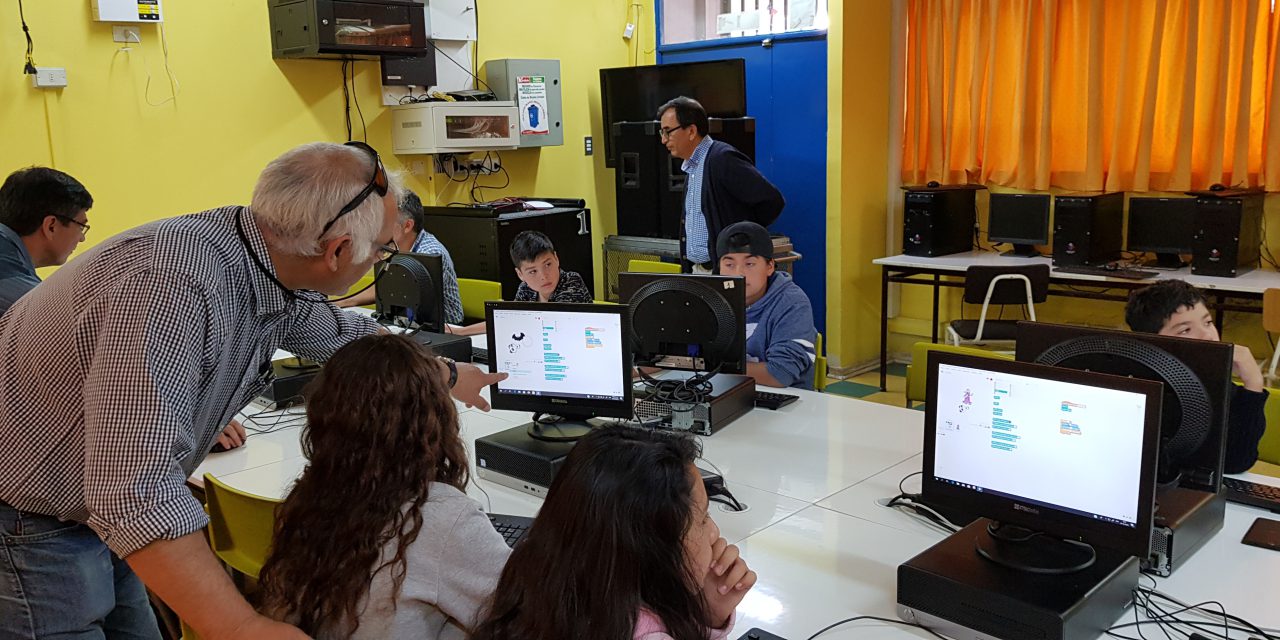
(923, 270)
(810, 474)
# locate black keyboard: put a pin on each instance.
(512, 528)
(771, 400)
(480, 355)
(1127, 274)
(1252, 493)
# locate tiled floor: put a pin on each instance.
(867, 386)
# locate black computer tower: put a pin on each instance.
(1228, 233)
(479, 240)
(648, 181)
(1088, 228)
(939, 220)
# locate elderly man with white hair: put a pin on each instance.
(118, 373)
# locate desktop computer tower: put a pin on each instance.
(1228, 233)
(648, 181)
(941, 220)
(1088, 228)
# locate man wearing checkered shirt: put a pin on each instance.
(119, 371)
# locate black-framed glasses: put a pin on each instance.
(665, 132)
(84, 226)
(377, 183)
(387, 252)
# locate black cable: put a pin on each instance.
(355, 97)
(346, 97)
(29, 68)
(455, 62)
(878, 618)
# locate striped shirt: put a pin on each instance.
(119, 371)
(429, 244)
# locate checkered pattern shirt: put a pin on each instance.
(695, 222)
(118, 372)
(429, 244)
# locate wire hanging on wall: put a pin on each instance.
(29, 67)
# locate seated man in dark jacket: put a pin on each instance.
(723, 185)
(1175, 308)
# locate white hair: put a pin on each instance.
(302, 190)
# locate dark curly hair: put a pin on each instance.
(381, 427)
(1148, 309)
(608, 541)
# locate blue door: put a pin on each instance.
(787, 95)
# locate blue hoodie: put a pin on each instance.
(780, 332)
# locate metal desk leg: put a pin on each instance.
(884, 328)
(934, 330)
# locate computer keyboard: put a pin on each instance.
(512, 528)
(479, 355)
(1127, 274)
(1251, 493)
(771, 400)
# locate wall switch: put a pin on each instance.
(126, 33)
(628, 31)
(586, 146)
(49, 78)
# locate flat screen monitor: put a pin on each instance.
(1196, 379)
(687, 322)
(633, 94)
(1021, 219)
(1067, 453)
(1163, 226)
(561, 359)
(410, 292)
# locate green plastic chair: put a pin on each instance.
(475, 293)
(652, 266)
(819, 366)
(918, 370)
(1269, 446)
(240, 526)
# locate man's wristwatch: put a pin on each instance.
(453, 369)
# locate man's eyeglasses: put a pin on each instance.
(84, 226)
(387, 252)
(378, 184)
(665, 132)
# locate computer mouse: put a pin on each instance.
(1217, 186)
(933, 184)
(1110, 266)
(218, 448)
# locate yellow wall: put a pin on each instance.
(238, 108)
(858, 62)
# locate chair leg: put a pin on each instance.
(1275, 358)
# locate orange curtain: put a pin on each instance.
(1152, 95)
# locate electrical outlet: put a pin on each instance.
(126, 33)
(49, 78)
(628, 31)
(587, 146)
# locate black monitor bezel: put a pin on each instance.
(1134, 540)
(434, 264)
(1153, 248)
(991, 212)
(572, 408)
(629, 282)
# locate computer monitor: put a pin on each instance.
(571, 361)
(410, 292)
(1021, 219)
(1163, 226)
(687, 322)
(1196, 378)
(1058, 457)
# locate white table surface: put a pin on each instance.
(810, 475)
(1252, 282)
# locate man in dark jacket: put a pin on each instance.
(723, 186)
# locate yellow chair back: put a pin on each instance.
(475, 293)
(240, 526)
(819, 366)
(918, 370)
(652, 266)
(1269, 446)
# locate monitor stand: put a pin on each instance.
(1022, 251)
(1032, 551)
(548, 429)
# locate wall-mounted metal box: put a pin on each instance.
(347, 28)
(534, 87)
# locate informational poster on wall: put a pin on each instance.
(531, 95)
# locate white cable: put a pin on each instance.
(146, 92)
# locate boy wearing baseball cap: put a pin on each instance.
(780, 331)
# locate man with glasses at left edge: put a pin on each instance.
(118, 372)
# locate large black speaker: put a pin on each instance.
(1088, 228)
(939, 220)
(648, 182)
(1228, 233)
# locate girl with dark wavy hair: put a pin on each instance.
(622, 549)
(377, 538)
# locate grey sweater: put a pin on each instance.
(452, 570)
